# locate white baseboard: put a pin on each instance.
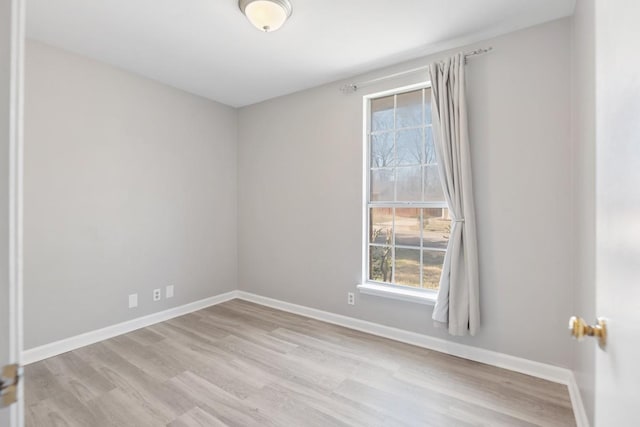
(68, 344)
(576, 401)
(501, 360)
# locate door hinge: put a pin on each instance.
(9, 384)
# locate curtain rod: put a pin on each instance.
(353, 87)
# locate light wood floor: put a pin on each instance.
(242, 364)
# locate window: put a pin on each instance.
(406, 214)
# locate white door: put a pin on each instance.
(618, 210)
(11, 47)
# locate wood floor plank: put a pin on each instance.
(495, 397)
(216, 401)
(242, 364)
(197, 418)
(141, 388)
(61, 409)
(78, 377)
(119, 409)
(158, 365)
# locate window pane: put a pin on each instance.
(380, 263)
(409, 147)
(381, 226)
(409, 109)
(407, 267)
(436, 227)
(382, 185)
(403, 168)
(432, 187)
(432, 268)
(429, 148)
(427, 106)
(382, 113)
(382, 153)
(407, 227)
(408, 184)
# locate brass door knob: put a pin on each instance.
(579, 329)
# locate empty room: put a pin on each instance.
(319, 213)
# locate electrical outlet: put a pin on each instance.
(168, 292)
(133, 300)
(351, 298)
(157, 294)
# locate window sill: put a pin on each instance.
(411, 295)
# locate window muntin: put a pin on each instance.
(406, 212)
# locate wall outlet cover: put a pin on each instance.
(133, 300)
(169, 291)
(157, 294)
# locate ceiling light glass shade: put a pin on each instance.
(266, 15)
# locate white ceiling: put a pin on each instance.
(207, 47)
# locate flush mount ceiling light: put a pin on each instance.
(266, 15)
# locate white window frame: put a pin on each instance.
(383, 289)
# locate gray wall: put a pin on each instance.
(130, 185)
(583, 129)
(300, 192)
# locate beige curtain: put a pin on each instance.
(457, 304)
